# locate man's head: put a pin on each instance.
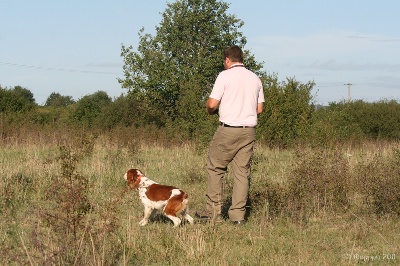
(234, 53)
(231, 55)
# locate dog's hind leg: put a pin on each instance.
(186, 215)
(188, 218)
(175, 220)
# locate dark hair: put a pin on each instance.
(234, 53)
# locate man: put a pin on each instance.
(239, 95)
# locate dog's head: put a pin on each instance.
(133, 177)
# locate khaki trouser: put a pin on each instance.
(230, 145)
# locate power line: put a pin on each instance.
(57, 69)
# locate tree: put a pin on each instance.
(16, 100)
(90, 107)
(287, 111)
(172, 73)
(57, 100)
(122, 111)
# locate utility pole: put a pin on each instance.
(348, 91)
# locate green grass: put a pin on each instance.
(43, 222)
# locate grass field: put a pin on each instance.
(66, 203)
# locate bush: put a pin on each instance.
(90, 107)
(287, 112)
(269, 199)
(333, 125)
(356, 121)
(319, 182)
(57, 100)
(16, 100)
(379, 183)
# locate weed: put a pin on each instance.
(379, 182)
(318, 183)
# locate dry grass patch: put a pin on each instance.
(90, 218)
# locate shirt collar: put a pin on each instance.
(236, 65)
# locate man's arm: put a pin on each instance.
(260, 107)
(212, 106)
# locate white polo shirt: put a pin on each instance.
(239, 91)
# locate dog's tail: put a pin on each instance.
(185, 198)
(183, 206)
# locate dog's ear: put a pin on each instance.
(130, 175)
(139, 173)
(133, 178)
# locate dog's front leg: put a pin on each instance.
(188, 218)
(147, 212)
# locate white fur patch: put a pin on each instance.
(175, 192)
(139, 173)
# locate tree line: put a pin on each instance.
(288, 118)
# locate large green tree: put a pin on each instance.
(171, 74)
(90, 107)
(16, 100)
(57, 100)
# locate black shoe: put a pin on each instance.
(239, 223)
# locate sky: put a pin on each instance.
(73, 47)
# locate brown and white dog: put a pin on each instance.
(168, 199)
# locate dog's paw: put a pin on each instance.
(189, 218)
(143, 222)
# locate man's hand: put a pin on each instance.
(260, 107)
(212, 106)
(215, 112)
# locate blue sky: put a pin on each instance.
(73, 47)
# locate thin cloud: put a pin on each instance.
(333, 65)
(374, 38)
(332, 44)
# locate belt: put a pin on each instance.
(226, 125)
